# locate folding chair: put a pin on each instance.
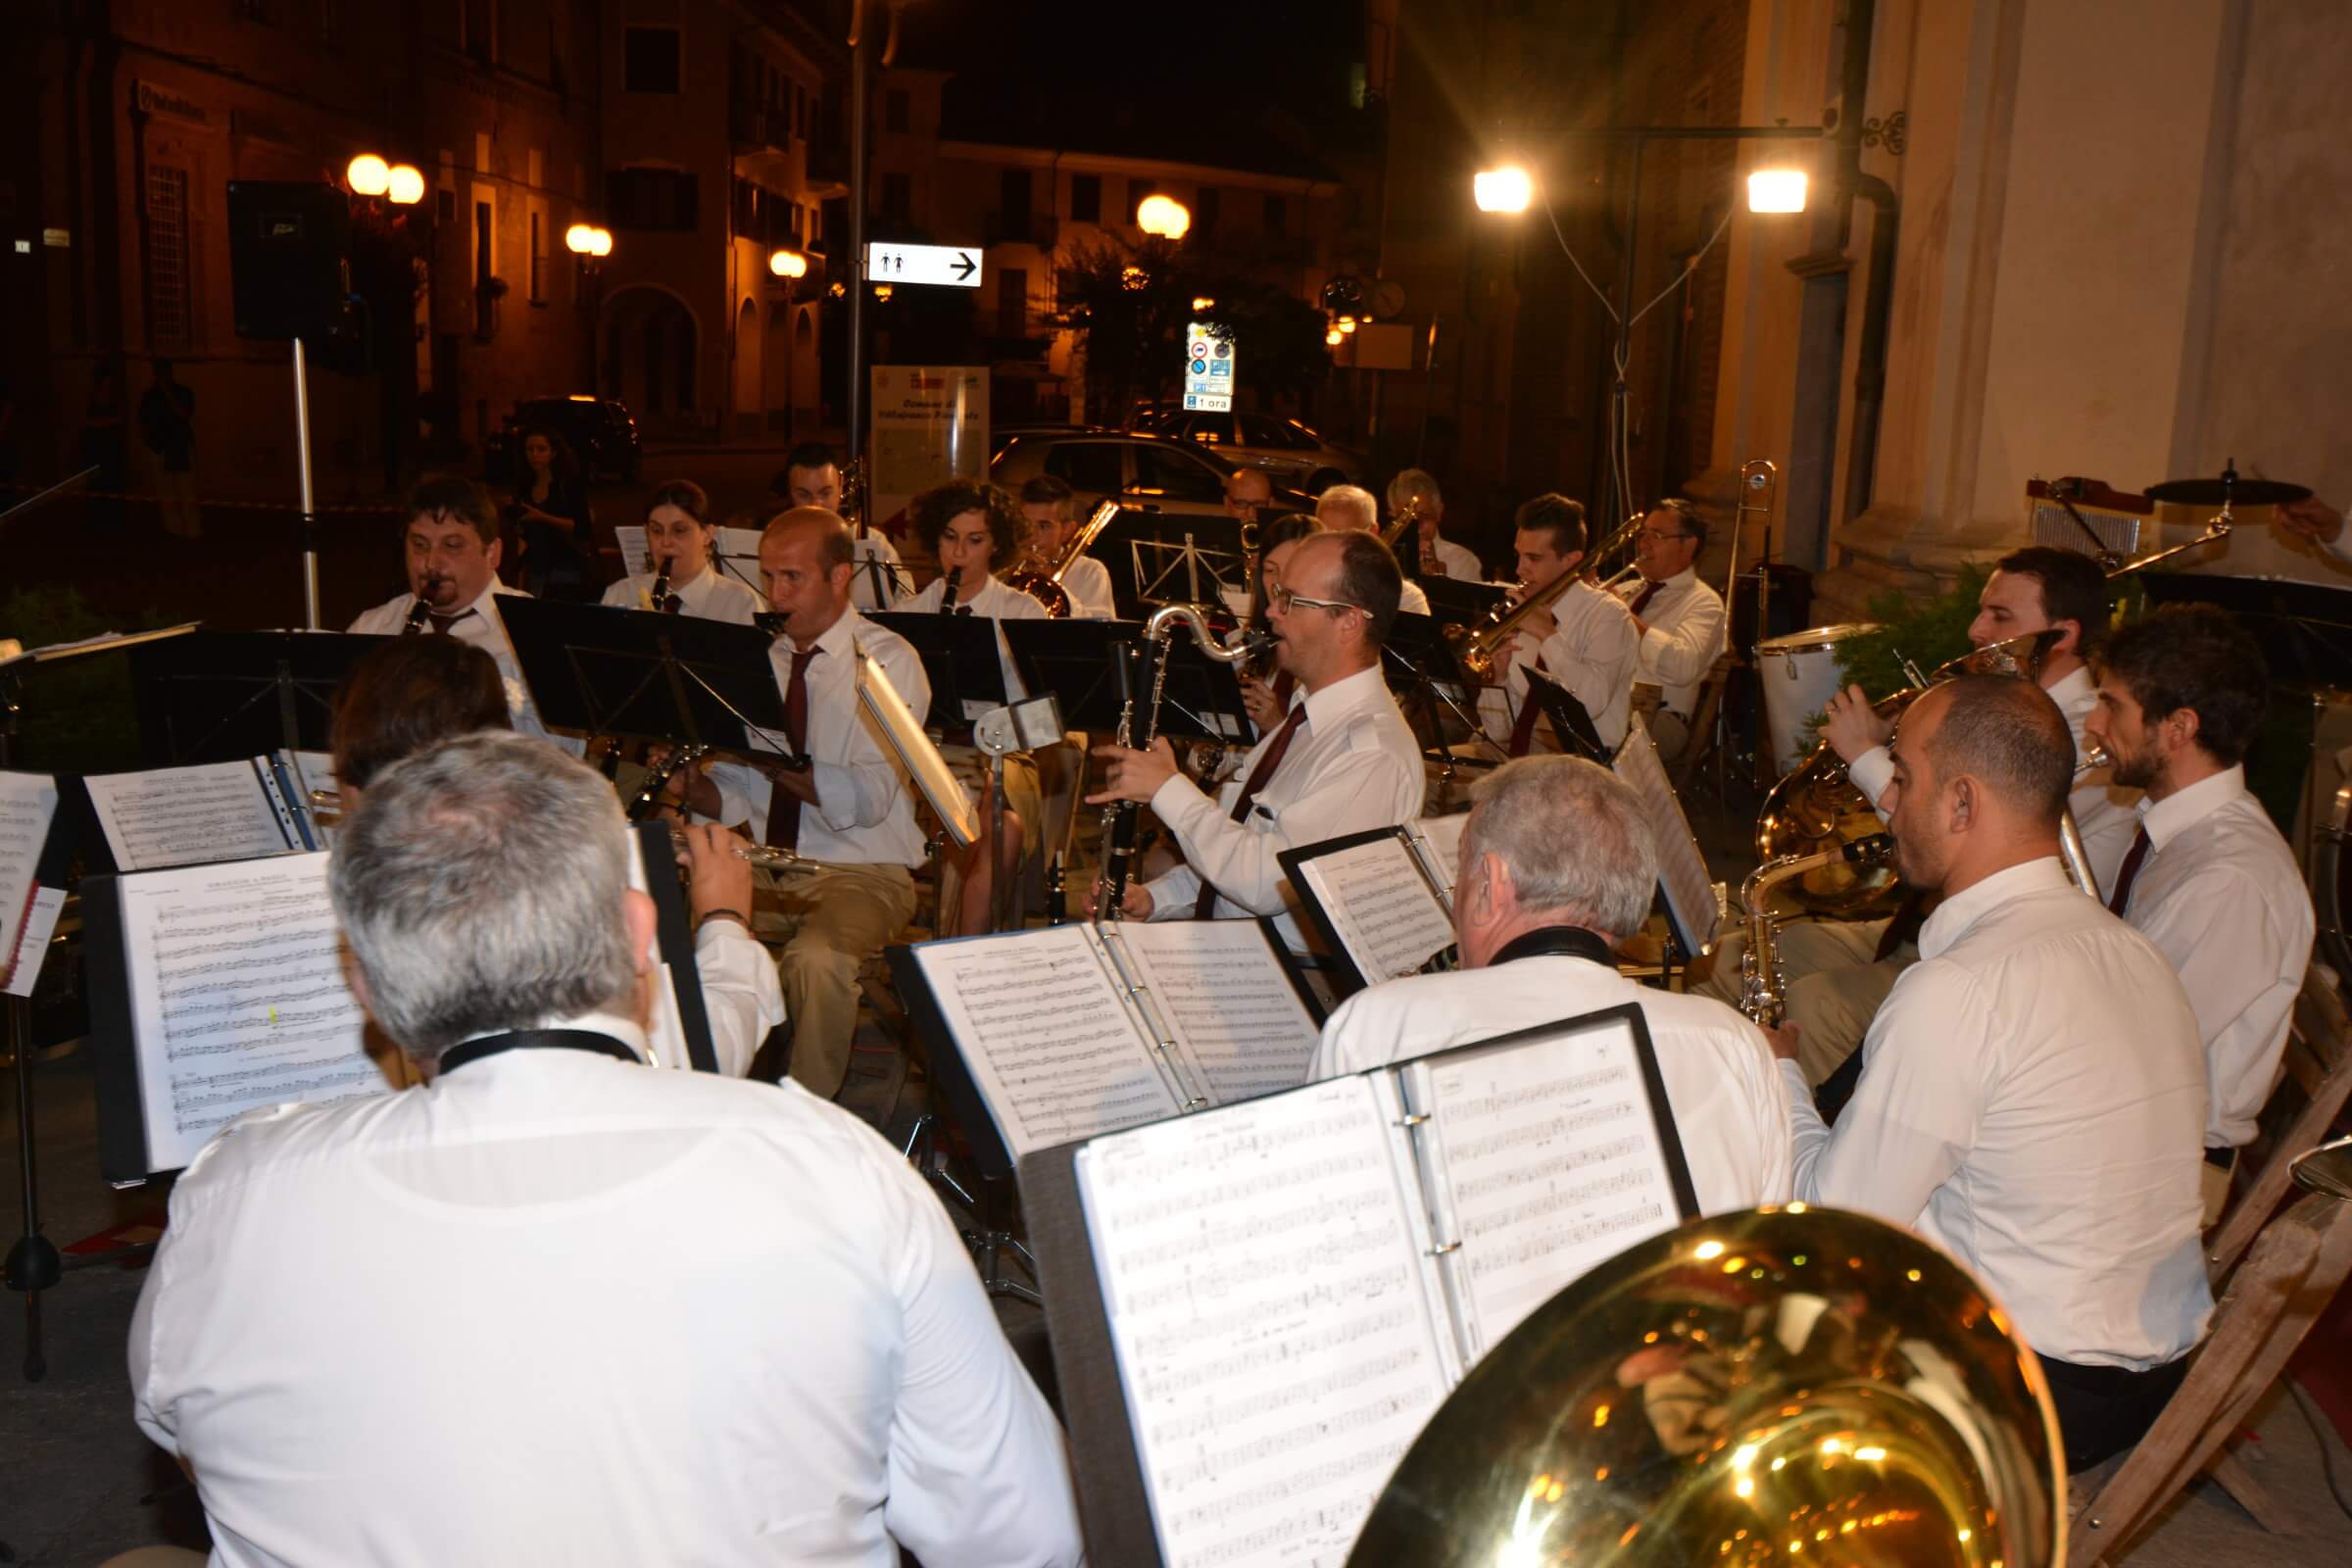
(2294, 1267)
(2315, 1081)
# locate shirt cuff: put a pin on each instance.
(1870, 773)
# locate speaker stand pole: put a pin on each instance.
(310, 516)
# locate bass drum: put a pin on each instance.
(1798, 675)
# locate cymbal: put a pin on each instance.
(2237, 492)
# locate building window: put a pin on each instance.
(1204, 209)
(330, 22)
(1012, 302)
(651, 198)
(895, 108)
(1278, 215)
(485, 304)
(477, 20)
(167, 291)
(538, 295)
(898, 197)
(1085, 198)
(254, 11)
(800, 111)
(649, 60)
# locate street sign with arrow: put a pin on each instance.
(954, 266)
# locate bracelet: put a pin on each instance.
(737, 915)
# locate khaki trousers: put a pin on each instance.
(1835, 984)
(828, 922)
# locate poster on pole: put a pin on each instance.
(1207, 369)
(930, 425)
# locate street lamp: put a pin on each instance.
(788, 264)
(588, 241)
(368, 175)
(404, 185)
(1163, 215)
(1775, 190)
(1507, 189)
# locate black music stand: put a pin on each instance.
(1455, 603)
(2304, 629)
(641, 675)
(1429, 679)
(1570, 720)
(959, 659)
(226, 696)
(1075, 660)
(1169, 558)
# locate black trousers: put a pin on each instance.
(2102, 1410)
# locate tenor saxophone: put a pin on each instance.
(1763, 985)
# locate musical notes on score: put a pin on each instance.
(1380, 908)
(181, 815)
(27, 803)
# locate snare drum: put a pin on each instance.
(1798, 675)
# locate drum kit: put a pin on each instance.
(1798, 672)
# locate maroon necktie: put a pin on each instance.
(784, 810)
(1523, 728)
(1206, 902)
(1650, 591)
(2121, 898)
(441, 624)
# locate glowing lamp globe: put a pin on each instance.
(368, 175)
(405, 184)
(1775, 190)
(1502, 190)
(1163, 215)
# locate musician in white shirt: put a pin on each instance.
(1343, 760)
(2032, 1094)
(1558, 868)
(1585, 642)
(2208, 879)
(552, 1306)
(1417, 488)
(811, 478)
(848, 812)
(450, 553)
(2316, 520)
(1841, 971)
(1046, 503)
(1350, 508)
(1680, 620)
(680, 535)
(975, 529)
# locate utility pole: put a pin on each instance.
(861, 50)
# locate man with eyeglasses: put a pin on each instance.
(1342, 761)
(1681, 619)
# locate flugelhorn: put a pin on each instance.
(329, 803)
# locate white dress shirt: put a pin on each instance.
(479, 625)
(1687, 631)
(742, 995)
(1456, 563)
(1731, 1110)
(864, 814)
(558, 1307)
(1088, 583)
(1351, 766)
(998, 601)
(1412, 599)
(875, 544)
(2103, 811)
(2221, 896)
(1592, 651)
(707, 594)
(2031, 1099)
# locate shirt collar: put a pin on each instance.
(1335, 701)
(2078, 687)
(2185, 807)
(835, 640)
(627, 1032)
(1955, 914)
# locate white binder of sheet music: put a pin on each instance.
(172, 816)
(1062, 1045)
(1382, 907)
(1293, 1285)
(27, 803)
(1441, 842)
(238, 997)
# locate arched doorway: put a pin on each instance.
(778, 368)
(805, 397)
(649, 353)
(746, 367)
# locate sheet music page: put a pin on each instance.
(32, 943)
(238, 998)
(1381, 906)
(28, 805)
(181, 815)
(1267, 1305)
(1548, 1163)
(1442, 837)
(1681, 869)
(1241, 1030)
(313, 771)
(1045, 1031)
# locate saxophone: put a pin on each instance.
(1763, 985)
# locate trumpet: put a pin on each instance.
(1137, 729)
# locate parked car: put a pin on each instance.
(1148, 473)
(602, 432)
(1001, 436)
(1287, 451)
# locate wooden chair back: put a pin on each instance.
(2312, 1091)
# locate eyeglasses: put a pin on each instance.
(1652, 536)
(1284, 601)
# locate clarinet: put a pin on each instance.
(420, 612)
(661, 590)
(648, 799)
(946, 599)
